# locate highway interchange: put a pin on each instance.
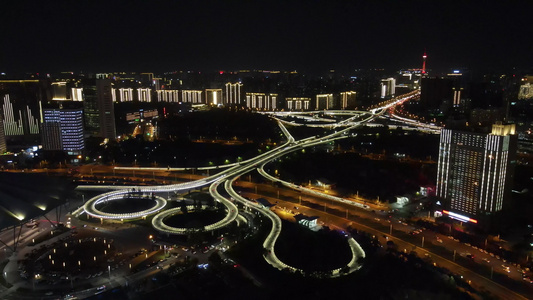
(227, 177)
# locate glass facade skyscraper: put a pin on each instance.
(106, 109)
(90, 108)
(62, 129)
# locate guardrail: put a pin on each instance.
(90, 207)
(309, 191)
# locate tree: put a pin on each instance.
(214, 259)
(197, 205)
(183, 207)
(211, 201)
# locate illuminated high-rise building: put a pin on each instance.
(19, 122)
(3, 147)
(475, 171)
(348, 99)
(91, 114)
(122, 94)
(105, 108)
(213, 96)
(233, 93)
(144, 95)
(168, 96)
(324, 101)
(526, 88)
(388, 88)
(62, 92)
(76, 94)
(261, 101)
(62, 129)
(191, 96)
(20, 102)
(59, 90)
(156, 84)
(297, 103)
(457, 96)
(526, 91)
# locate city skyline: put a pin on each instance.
(267, 149)
(308, 36)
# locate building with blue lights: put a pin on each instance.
(62, 129)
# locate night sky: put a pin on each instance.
(309, 36)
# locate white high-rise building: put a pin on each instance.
(144, 95)
(388, 87)
(475, 171)
(76, 94)
(297, 103)
(261, 101)
(168, 96)
(122, 95)
(324, 101)
(213, 96)
(233, 93)
(348, 99)
(191, 96)
(15, 120)
(3, 147)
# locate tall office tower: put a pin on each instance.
(62, 129)
(191, 96)
(475, 171)
(3, 147)
(233, 93)
(144, 95)
(297, 103)
(106, 109)
(348, 100)
(91, 115)
(324, 101)
(388, 88)
(213, 96)
(261, 101)
(168, 96)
